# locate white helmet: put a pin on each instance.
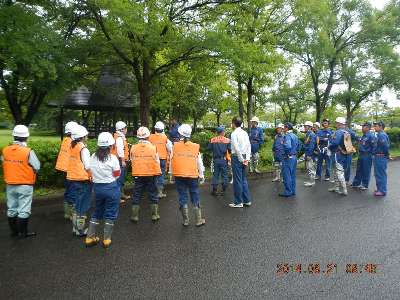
(69, 127)
(79, 132)
(255, 119)
(120, 125)
(159, 126)
(185, 130)
(280, 125)
(105, 139)
(143, 133)
(317, 124)
(21, 131)
(308, 123)
(341, 120)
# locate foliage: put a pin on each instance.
(394, 135)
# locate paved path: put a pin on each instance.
(234, 256)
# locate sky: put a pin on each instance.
(379, 3)
(387, 94)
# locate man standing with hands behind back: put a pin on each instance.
(241, 153)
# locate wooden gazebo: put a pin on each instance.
(111, 99)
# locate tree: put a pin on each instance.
(365, 72)
(153, 37)
(246, 39)
(293, 100)
(322, 33)
(36, 57)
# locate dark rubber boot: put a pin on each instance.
(23, 228)
(214, 191)
(12, 222)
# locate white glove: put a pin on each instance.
(202, 180)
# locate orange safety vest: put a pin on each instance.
(63, 155)
(224, 140)
(160, 141)
(16, 165)
(114, 147)
(76, 170)
(144, 160)
(184, 159)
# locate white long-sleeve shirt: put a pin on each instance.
(119, 144)
(85, 157)
(240, 144)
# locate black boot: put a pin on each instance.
(23, 228)
(12, 222)
(214, 191)
(222, 192)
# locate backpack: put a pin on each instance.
(348, 145)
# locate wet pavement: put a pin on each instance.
(234, 256)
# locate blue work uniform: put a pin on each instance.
(256, 139)
(336, 145)
(364, 162)
(220, 146)
(323, 136)
(381, 156)
(278, 149)
(174, 134)
(310, 143)
(347, 170)
(289, 164)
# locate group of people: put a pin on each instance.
(335, 149)
(155, 155)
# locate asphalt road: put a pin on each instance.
(234, 256)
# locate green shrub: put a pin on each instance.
(394, 135)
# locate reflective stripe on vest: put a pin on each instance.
(76, 170)
(144, 160)
(160, 141)
(63, 155)
(184, 159)
(16, 165)
(114, 147)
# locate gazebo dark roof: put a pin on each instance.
(111, 92)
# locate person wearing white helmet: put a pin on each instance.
(62, 166)
(20, 166)
(256, 140)
(121, 151)
(278, 151)
(187, 168)
(339, 154)
(310, 146)
(164, 150)
(80, 179)
(323, 136)
(316, 127)
(105, 170)
(145, 170)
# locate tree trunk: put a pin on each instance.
(218, 114)
(250, 101)
(318, 112)
(349, 112)
(194, 123)
(240, 99)
(144, 83)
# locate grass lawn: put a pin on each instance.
(6, 138)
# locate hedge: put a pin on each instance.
(47, 153)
